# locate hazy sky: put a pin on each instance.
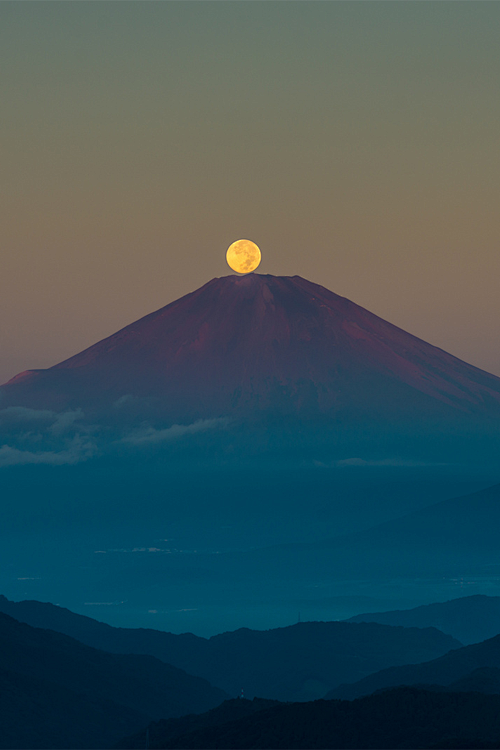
(356, 142)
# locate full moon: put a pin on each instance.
(243, 256)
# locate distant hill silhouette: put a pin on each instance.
(398, 718)
(108, 685)
(452, 537)
(299, 662)
(470, 619)
(296, 662)
(457, 528)
(449, 669)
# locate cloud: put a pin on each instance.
(128, 401)
(41, 436)
(149, 435)
(77, 451)
(65, 420)
(23, 414)
(123, 400)
(56, 422)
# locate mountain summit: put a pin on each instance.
(261, 345)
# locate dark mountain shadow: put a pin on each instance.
(168, 730)
(398, 718)
(38, 713)
(107, 684)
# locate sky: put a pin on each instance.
(357, 143)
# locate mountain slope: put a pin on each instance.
(280, 345)
(404, 718)
(299, 662)
(482, 680)
(144, 684)
(159, 733)
(470, 619)
(454, 537)
(37, 714)
(446, 670)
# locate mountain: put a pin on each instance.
(482, 680)
(454, 538)
(140, 685)
(470, 619)
(398, 718)
(300, 662)
(456, 527)
(37, 713)
(159, 733)
(147, 440)
(445, 670)
(264, 346)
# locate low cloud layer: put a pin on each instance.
(42, 436)
(78, 450)
(150, 435)
(57, 423)
(22, 414)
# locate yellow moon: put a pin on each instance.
(243, 256)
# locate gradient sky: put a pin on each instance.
(356, 142)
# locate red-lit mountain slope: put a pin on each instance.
(264, 344)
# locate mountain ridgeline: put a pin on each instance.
(466, 663)
(61, 692)
(300, 662)
(471, 619)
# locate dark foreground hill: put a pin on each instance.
(89, 685)
(39, 713)
(470, 619)
(446, 670)
(399, 718)
(299, 662)
(159, 733)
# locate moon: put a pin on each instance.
(243, 256)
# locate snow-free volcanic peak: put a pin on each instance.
(263, 345)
